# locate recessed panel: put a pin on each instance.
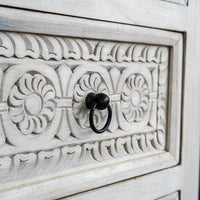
(44, 123)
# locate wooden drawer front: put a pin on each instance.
(108, 195)
(43, 119)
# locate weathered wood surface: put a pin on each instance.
(49, 60)
(150, 13)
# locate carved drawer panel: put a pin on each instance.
(43, 118)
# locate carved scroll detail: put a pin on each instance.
(57, 48)
(66, 157)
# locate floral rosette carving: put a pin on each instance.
(31, 104)
(86, 84)
(134, 98)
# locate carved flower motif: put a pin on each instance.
(135, 98)
(86, 84)
(31, 102)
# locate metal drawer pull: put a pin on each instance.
(98, 101)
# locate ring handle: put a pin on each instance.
(98, 101)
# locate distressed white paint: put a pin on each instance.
(46, 145)
(170, 14)
(34, 118)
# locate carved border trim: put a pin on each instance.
(56, 48)
(53, 160)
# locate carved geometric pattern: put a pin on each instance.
(43, 119)
(43, 162)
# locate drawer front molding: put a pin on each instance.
(43, 119)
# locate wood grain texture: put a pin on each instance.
(191, 108)
(36, 22)
(151, 13)
(70, 182)
(143, 188)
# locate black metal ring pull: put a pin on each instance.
(98, 101)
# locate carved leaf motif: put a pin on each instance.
(135, 98)
(31, 103)
(57, 48)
